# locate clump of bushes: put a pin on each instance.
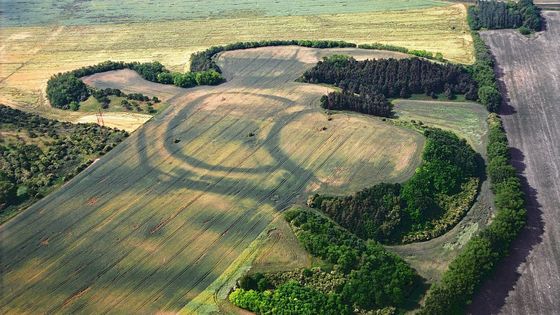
(493, 14)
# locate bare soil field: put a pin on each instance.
(29, 55)
(528, 282)
(160, 218)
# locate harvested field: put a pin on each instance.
(528, 281)
(152, 224)
(29, 55)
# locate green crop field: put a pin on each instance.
(69, 12)
(467, 119)
(163, 216)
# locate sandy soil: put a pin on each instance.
(528, 281)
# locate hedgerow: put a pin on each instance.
(64, 89)
(204, 60)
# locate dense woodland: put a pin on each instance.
(365, 276)
(493, 14)
(65, 90)
(366, 84)
(387, 212)
(37, 153)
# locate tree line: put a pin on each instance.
(55, 152)
(494, 14)
(373, 278)
(387, 212)
(65, 88)
(366, 84)
(204, 60)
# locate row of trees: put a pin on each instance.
(375, 80)
(494, 14)
(482, 253)
(371, 277)
(366, 102)
(66, 90)
(386, 212)
(204, 60)
(55, 152)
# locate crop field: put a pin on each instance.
(29, 55)
(527, 281)
(466, 119)
(68, 12)
(149, 226)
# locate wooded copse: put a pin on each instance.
(57, 152)
(374, 278)
(65, 88)
(494, 14)
(367, 84)
(388, 212)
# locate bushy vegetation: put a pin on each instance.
(37, 153)
(494, 14)
(389, 212)
(482, 253)
(365, 275)
(65, 90)
(366, 84)
(203, 60)
(366, 102)
(482, 72)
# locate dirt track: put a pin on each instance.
(528, 282)
(153, 223)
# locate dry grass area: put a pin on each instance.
(173, 209)
(30, 55)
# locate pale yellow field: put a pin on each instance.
(169, 216)
(30, 55)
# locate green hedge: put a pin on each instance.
(65, 90)
(483, 252)
(203, 60)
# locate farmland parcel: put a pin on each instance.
(528, 281)
(152, 224)
(31, 54)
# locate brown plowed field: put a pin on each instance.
(528, 282)
(152, 224)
